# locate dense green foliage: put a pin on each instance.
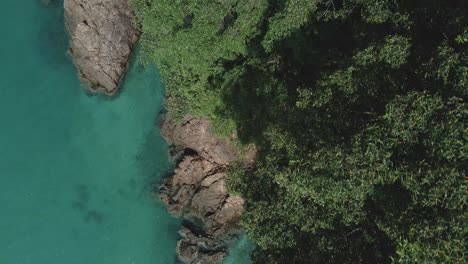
(358, 109)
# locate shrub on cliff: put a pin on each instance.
(358, 109)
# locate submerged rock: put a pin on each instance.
(102, 38)
(197, 191)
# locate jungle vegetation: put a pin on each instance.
(358, 110)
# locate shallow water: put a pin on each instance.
(75, 171)
(240, 252)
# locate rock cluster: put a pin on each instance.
(197, 191)
(102, 38)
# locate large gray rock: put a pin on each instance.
(102, 38)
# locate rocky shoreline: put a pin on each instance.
(102, 39)
(197, 191)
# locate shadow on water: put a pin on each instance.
(134, 66)
(52, 39)
(137, 69)
(152, 162)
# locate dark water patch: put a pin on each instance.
(52, 3)
(94, 216)
(77, 206)
(173, 228)
(122, 192)
(82, 193)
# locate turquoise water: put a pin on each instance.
(240, 252)
(75, 171)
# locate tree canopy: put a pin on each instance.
(358, 109)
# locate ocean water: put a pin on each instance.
(76, 171)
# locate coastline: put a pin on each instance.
(196, 191)
(351, 148)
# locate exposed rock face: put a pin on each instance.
(102, 38)
(197, 192)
